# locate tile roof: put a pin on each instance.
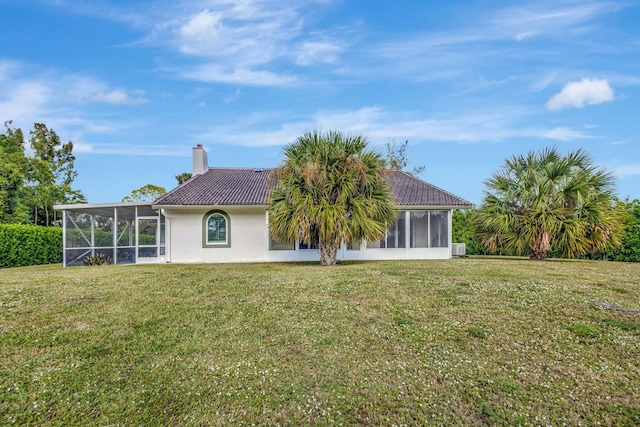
(411, 191)
(221, 187)
(249, 187)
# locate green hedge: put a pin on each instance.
(22, 245)
(103, 239)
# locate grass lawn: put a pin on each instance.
(456, 342)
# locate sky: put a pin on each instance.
(136, 84)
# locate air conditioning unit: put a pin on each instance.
(459, 249)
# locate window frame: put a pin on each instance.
(274, 243)
(445, 225)
(393, 231)
(205, 230)
(441, 225)
(415, 218)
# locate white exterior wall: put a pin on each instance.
(249, 241)
(365, 253)
(248, 236)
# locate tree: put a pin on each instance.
(330, 190)
(397, 158)
(30, 186)
(13, 166)
(629, 250)
(51, 172)
(147, 192)
(184, 176)
(543, 201)
(463, 231)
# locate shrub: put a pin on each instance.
(98, 259)
(22, 245)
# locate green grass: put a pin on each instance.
(456, 342)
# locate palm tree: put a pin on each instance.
(544, 201)
(330, 190)
(183, 177)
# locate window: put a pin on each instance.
(354, 247)
(147, 237)
(419, 229)
(429, 229)
(314, 240)
(439, 229)
(314, 245)
(395, 237)
(275, 245)
(216, 230)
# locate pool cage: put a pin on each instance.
(123, 233)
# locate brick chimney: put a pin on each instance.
(200, 161)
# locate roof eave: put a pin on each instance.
(191, 207)
(101, 205)
(427, 207)
(401, 207)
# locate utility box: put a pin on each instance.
(459, 249)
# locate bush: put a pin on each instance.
(464, 232)
(629, 250)
(98, 259)
(22, 245)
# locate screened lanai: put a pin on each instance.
(126, 233)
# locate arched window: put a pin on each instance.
(217, 230)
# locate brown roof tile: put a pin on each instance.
(411, 191)
(249, 187)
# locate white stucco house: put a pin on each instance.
(220, 215)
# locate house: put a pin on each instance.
(220, 215)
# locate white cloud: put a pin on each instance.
(248, 40)
(82, 147)
(237, 134)
(204, 34)
(216, 73)
(486, 39)
(550, 17)
(246, 37)
(544, 80)
(29, 96)
(201, 26)
(524, 35)
(118, 96)
(379, 125)
(23, 100)
(316, 51)
(580, 93)
(84, 89)
(563, 134)
(232, 98)
(627, 170)
(7, 69)
(144, 150)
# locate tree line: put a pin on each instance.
(330, 189)
(464, 231)
(540, 204)
(35, 175)
(545, 204)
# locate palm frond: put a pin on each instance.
(543, 199)
(331, 188)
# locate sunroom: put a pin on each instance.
(121, 233)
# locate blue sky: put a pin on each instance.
(136, 84)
